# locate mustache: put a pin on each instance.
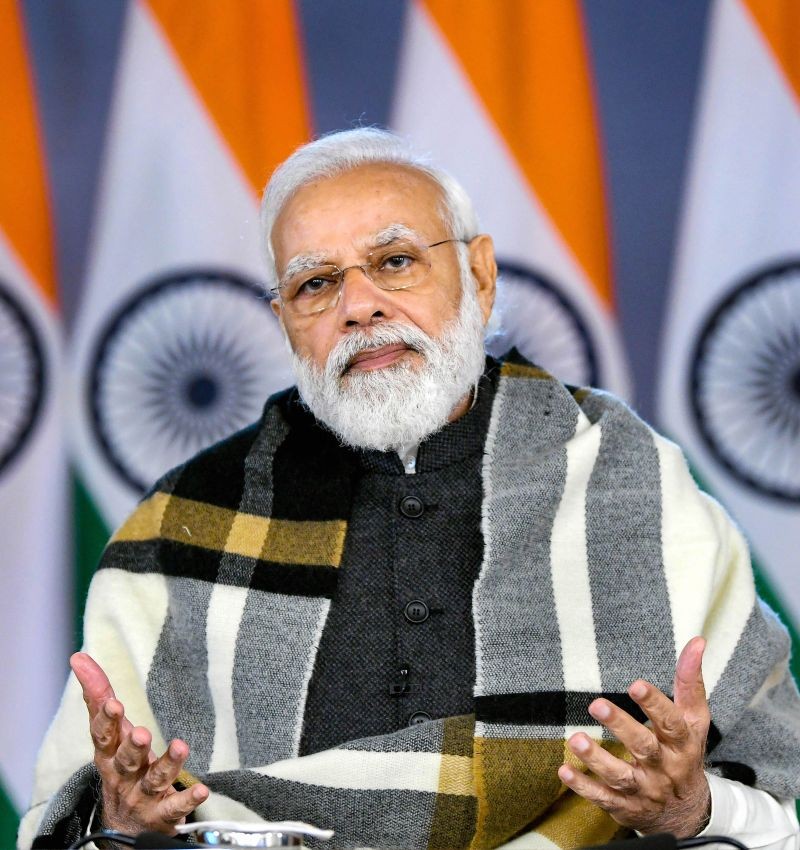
(355, 342)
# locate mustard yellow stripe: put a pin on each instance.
(305, 542)
(313, 543)
(186, 779)
(455, 776)
(479, 781)
(516, 782)
(247, 535)
(197, 523)
(519, 370)
(575, 822)
(145, 522)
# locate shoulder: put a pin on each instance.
(219, 470)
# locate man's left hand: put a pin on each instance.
(663, 788)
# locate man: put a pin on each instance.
(426, 591)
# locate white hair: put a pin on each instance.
(344, 151)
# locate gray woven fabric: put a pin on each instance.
(179, 690)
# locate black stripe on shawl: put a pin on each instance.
(713, 738)
(548, 708)
(564, 708)
(735, 770)
(216, 475)
(185, 561)
(514, 356)
(312, 474)
(312, 480)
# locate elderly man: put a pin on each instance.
(430, 599)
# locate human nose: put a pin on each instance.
(360, 301)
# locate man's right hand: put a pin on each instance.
(137, 792)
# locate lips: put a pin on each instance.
(378, 358)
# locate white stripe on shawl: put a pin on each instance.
(695, 531)
(225, 607)
(570, 567)
(124, 640)
(367, 771)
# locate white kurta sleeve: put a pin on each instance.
(752, 816)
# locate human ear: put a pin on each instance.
(484, 269)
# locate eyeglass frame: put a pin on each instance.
(340, 275)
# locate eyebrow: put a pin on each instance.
(392, 233)
(302, 263)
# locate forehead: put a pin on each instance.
(340, 214)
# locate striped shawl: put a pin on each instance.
(601, 560)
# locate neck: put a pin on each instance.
(466, 404)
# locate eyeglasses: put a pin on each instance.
(401, 265)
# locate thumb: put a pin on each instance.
(92, 678)
(690, 692)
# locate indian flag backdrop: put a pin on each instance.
(730, 390)
(34, 580)
(501, 95)
(175, 345)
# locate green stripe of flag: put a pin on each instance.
(9, 820)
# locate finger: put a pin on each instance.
(131, 758)
(690, 691)
(95, 684)
(93, 681)
(669, 723)
(592, 790)
(164, 771)
(614, 772)
(175, 807)
(106, 727)
(640, 741)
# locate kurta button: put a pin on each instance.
(416, 611)
(418, 717)
(411, 506)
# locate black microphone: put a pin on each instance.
(657, 841)
(667, 841)
(159, 841)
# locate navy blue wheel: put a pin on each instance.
(544, 326)
(745, 381)
(22, 377)
(180, 365)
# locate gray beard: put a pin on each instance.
(400, 405)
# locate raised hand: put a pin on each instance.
(663, 788)
(137, 792)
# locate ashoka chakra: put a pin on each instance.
(22, 377)
(745, 382)
(182, 364)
